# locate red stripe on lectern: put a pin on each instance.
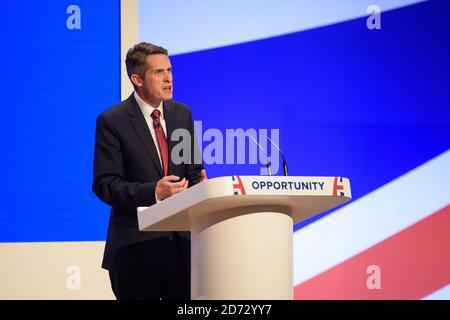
(336, 187)
(413, 263)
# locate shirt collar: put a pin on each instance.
(146, 108)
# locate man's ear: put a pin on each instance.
(137, 81)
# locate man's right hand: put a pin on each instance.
(169, 185)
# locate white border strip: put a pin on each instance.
(188, 26)
(128, 38)
(440, 294)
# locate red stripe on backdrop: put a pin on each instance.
(412, 264)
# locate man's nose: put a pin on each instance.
(167, 76)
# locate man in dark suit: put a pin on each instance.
(133, 168)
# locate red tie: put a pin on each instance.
(162, 141)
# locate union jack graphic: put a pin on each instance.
(338, 185)
(238, 186)
(404, 249)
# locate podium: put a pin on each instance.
(241, 230)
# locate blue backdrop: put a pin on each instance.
(369, 105)
(54, 82)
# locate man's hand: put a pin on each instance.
(203, 175)
(168, 186)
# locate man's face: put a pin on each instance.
(157, 80)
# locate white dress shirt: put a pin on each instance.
(147, 111)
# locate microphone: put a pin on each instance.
(285, 169)
(269, 166)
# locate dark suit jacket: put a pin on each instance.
(127, 168)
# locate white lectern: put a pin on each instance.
(241, 230)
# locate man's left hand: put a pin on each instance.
(203, 175)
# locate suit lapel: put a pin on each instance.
(142, 130)
(169, 116)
